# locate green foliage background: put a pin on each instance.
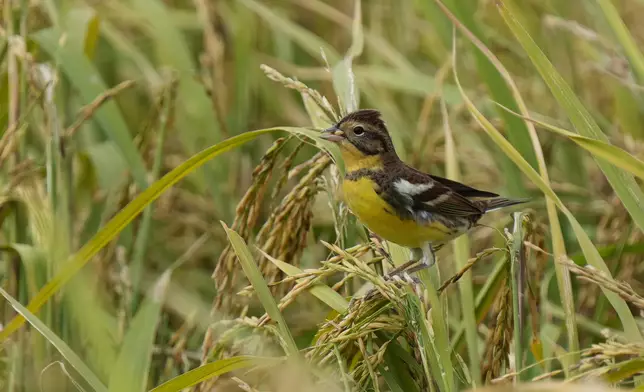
(158, 156)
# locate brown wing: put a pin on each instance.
(412, 192)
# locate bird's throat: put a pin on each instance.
(355, 159)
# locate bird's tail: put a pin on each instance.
(501, 202)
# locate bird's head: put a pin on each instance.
(360, 135)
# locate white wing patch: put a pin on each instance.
(438, 200)
(406, 188)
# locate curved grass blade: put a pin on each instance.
(31, 258)
(207, 371)
(343, 76)
(558, 244)
(517, 279)
(623, 183)
(624, 37)
(590, 252)
(131, 211)
(323, 292)
(461, 248)
(130, 372)
(606, 151)
(261, 288)
(624, 370)
(517, 131)
(57, 342)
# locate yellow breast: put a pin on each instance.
(375, 213)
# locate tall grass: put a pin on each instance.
(131, 130)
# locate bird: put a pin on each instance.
(395, 201)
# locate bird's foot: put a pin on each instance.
(427, 260)
(422, 258)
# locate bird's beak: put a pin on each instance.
(333, 134)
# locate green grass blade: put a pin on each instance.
(193, 109)
(517, 255)
(624, 370)
(592, 255)
(57, 342)
(31, 258)
(130, 372)
(308, 41)
(141, 241)
(207, 371)
(558, 244)
(261, 288)
(606, 151)
(441, 336)
(88, 82)
(461, 247)
(124, 217)
(343, 76)
(428, 352)
(321, 291)
(517, 132)
(172, 50)
(623, 183)
(624, 37)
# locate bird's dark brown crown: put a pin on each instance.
(366, 116)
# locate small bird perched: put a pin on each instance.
(397, 202)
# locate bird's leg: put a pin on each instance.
(416, 255)
(427, 260)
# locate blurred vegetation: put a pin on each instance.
(169, 219)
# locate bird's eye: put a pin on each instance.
(358, 131)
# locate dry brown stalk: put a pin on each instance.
(612, 229)
(470, 263)
(497, 347)
(285, 169)
(283, 235)
(247, 213)
(382, 309)
(88, 110)
(596, 276)
(320, 100)
(603, 358)
(213, 61)
(17, 50)
(313, 277)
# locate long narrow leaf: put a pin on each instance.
(606, 151)
(130, 373)
(624, 37)
(461, 248)
(558, 245)
(592, 255)
(207, 371)
(127, 214)
(323, 292)
(57, 342)
(623, 183)
(261, 288)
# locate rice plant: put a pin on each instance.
(170, 219)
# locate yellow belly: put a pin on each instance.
(372, 211)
